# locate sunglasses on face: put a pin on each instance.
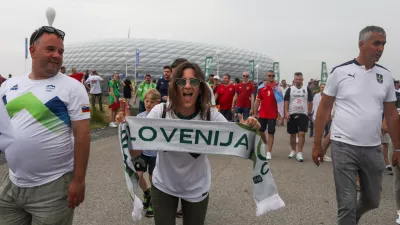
(271, 75)
(194, 82)
(49, 30)
(245, 75)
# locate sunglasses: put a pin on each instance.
(194, 82)
(245, 75)
(271, 75)
(48, 30)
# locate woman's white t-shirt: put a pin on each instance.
(181, 174)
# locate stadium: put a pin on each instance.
(109, 56)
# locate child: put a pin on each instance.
(143, 159)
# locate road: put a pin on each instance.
(308, 191)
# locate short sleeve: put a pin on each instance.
(78, 103)
(332, 84)
(391, 94)
(156, 111)
(287, 95)
(237, 89)
(309, 95)
(259, 96)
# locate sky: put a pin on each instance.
(298, 34)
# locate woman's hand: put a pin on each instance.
(120, 118)
(251, 121)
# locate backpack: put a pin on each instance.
(194, 155)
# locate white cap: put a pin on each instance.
(217, 77)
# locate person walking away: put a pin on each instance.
(267, 106)
(163, 83)
(128, 90)
(94, 81)
(298, 107)
(142, 88)
(224, 95)
(356, 148)
(47, 162)
(114, 95)
(243, 102)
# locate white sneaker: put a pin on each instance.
(269, 156)
(327, 158)
(299, 156)
(398, 219)
(112, 124)
(292, 154)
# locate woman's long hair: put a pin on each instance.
(204, 98)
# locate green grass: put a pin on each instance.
(98, 119)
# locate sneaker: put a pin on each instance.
(292, 154)
(179, 214)
(149, 212)
(112, 124)
(299, 157)
(327, 158)
(389, 170)
(269, 156)
(146, 201)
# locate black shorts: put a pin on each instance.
(297, 122)
(271, 123)
(150, 163)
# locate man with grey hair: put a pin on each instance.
(356, 127)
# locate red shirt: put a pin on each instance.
(225, 96)
(244, 92)
(77, 76)
(269, 106)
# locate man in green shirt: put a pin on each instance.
(115, 88)
(141, 90)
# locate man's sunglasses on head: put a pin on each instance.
(48, 30)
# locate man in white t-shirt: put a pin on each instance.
(95, 89)
(48, 159)
(298, 106)
(361, 90)
(63, 70)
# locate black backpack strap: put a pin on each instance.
(164, 113)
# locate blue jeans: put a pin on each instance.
(142, 108)
(244, 111)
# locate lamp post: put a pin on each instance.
(257, 66)
(217, 54)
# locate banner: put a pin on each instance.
(324, 73)
(251, 69)
(201, 137)
(26, 48)
(207, 69)
(275, 67)
(137, 58)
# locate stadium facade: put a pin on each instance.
(109, 56)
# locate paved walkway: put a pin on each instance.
(308, 191)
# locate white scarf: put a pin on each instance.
(233, 139)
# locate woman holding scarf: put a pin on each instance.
(184, 175)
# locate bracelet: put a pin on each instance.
(396, 150)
